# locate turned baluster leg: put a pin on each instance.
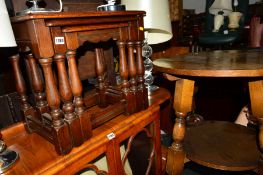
(182, 104)
(66, 96)
(142, 90)
(37, 85)
(256, 100)
(123, 68)
(132, 73)
(60, 132)
(100, 69)
(20, 86)
(76, 87)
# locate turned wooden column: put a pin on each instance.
(37, 84)
(256, 96)
(132, 74)
(62, 138)
(100, 69)
(66, 96)
(183, 99)
(20, 84)
(123, 68)
(76, 87)
(142, 101)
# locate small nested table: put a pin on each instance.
(231, 64)
(51, 44)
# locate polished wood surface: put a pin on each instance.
(227, 146)
(225, 63)
(38, 156)
(73, 15)
(232, 63)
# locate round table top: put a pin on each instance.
(220, 63)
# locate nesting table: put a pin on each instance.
(51, 45)
(185, 68)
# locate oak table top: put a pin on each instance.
(72, 15)
(232, 63)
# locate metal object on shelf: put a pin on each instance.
(37, 9)
(111, 5)
(7, 157)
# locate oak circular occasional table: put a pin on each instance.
(240, 147)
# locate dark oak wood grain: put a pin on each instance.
(226, 146)
(183, 69)
(232, 63)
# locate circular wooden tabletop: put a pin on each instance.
(220, 63)
(222, 145)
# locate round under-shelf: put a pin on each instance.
(222, 145)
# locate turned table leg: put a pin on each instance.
(124, 77)
(256, 100)
(132, 75)
(20, 83)
(26, 108)
(66, 96)
(60, 131)
(142, 100)
(183, 98)
(76, 87)
(37, 84)
(100, 70)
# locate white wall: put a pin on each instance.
(199, 5)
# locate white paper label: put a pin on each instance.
(111, 135)
(59, 40)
